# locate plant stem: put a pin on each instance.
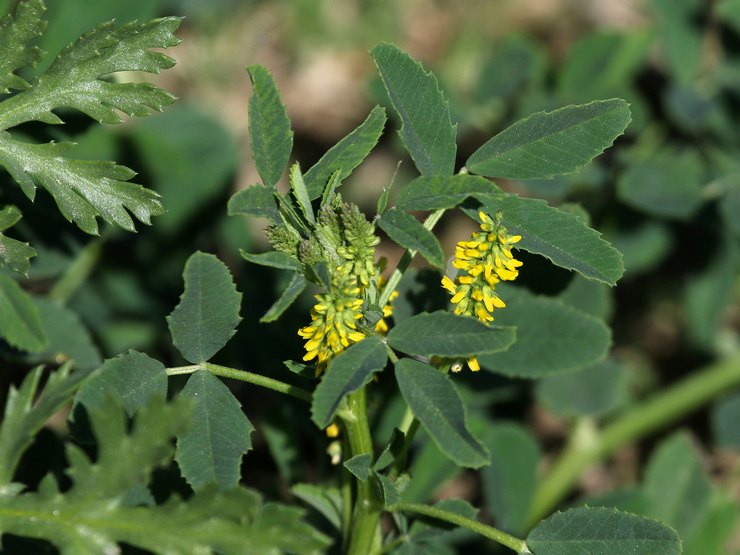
(365, 537)
(520, 546)
(77, 272)
(244, 376)
(405, 261)
(587, 446)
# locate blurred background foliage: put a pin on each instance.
(667, 195)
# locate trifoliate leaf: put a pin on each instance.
(208, 312)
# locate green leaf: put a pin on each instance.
(448, 335)
(133, 378)
(347, 372)
(208, 312)
(26, 412)
(729, 12)
(592, 297)
(359, 466)
(643, 247)
(547, 144)
(325, 500)
(15, 35)
(433, 193)
(67, 337)
(347, 154)
(255, 200)
(585, 531)
(13, 253)
(725, 416)
(298, 187)
(273, 259)
(408, 232)
(269, 127)
(210, 453)
(559, 236)
(292, 292)
(595, 390)
(20, 323)
(90, 517)
(426, 129)
(680, 36)
(82, 189)
(434, 400)
(509, 481)
(552, 338)
(667, 184)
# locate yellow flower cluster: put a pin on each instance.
(334, 319)
(482, 262)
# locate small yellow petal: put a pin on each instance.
(473, 364)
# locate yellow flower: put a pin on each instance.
(482, 262)
(381, 326)
(334, 319)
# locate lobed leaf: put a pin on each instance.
(560, 236)
(547, 144)
(433, 193)
(552, 338)
(448, 335)
(584, 531)
(408, 232)
(269, 127)
(347, 154)
(433, 399)
(15, 35)
(347, 372)
(13, 253)
(20, 323)
(210, 453)
(426, 129)
(26, 411)
(208, 312)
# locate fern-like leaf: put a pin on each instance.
(15, 34)
(13, 253)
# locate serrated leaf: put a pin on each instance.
(594, 390)
(76, 78)
(547, 144)
(26, 412)
(296, 286)
(134, 378)
(426, 129)
(208, 312)
(325, 500)
(559, 236)
(273, 259)
(448, 335)
(433, 399)
(15, 35)
(269, 127)
(20, 323)
(90, 517)
(509, 481)
(408, 232)
(255, 200)
(13, 253)
(433, 193)
(552, 338)
(585, 531)
(347, 154)
(359, 466)
(210, 453)
(67, 337)
(347, 372)
(82, 189)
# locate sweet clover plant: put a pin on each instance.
(398, 362)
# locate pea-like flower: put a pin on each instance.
(482, 262)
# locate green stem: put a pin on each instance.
(77, 272)
(365, 537)
(244, 376)
(489, 532)
(405, 261)
(588, 445)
